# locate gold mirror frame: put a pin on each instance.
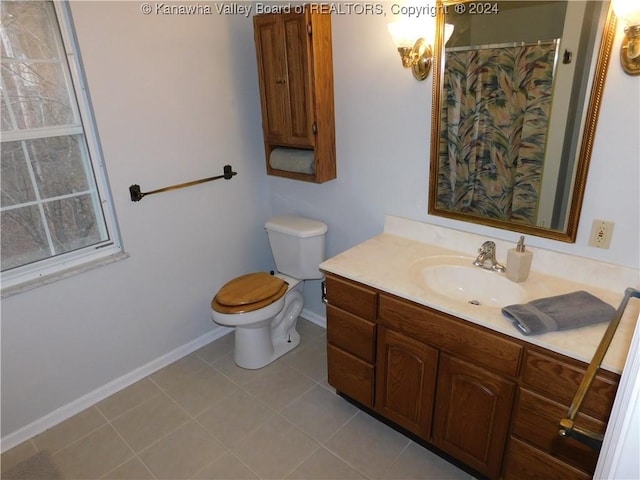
(586, 147)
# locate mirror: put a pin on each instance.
(516, 94)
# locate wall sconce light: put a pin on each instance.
(629, 12)
(412, 41)
(414, 51)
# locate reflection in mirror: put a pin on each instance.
(517, 91)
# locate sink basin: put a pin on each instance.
(456, 278)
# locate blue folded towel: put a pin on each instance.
(562, 312)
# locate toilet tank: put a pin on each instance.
(298, 245)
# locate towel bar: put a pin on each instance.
(566, 426)
(136, 194)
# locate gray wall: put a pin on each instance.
(173, 102)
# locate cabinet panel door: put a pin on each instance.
(272, 76)
(471, 418)
(299, 82)
(405, 382)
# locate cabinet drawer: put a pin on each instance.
(559, 379)
(350, 333)
(351, 297)
(536, 420)
(525, 462)
(488, 349)
(350, 375)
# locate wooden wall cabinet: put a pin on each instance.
(488, 400)
(295, 73)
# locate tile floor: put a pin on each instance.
(203, 417)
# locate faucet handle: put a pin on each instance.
(487, 257)
(488, 246)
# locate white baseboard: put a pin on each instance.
(319, 320)
(67, 411)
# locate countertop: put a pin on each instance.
(387, 262)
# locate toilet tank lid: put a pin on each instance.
(296, 226)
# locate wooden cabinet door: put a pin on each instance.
(405, 381)
(299, 81)
(272, 74)
(283, 51)
(472, 412)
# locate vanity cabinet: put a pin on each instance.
(491, 401)
(295, 72)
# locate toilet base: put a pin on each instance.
(259, 344)
(255, 349)
(250, 355)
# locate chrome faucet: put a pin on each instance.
(487, 258)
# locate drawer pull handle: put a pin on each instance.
(566, 426)
(324, 292)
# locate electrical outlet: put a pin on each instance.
(601, 232)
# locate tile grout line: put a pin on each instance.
(272, 410)
(157, 393)
(241, 387)
(345, 461)
(336, 454)
(135, 456)
(76, 440)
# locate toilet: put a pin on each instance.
(262, 307)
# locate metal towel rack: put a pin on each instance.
(136, 194)
(567, 428)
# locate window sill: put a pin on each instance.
(54, 277)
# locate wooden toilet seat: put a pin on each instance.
(248, 293)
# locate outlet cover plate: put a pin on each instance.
(601, 232)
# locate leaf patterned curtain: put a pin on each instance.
(495, 118)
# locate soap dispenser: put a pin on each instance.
(519, 262)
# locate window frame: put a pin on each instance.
(63, 265)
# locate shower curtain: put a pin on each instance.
(495, 118)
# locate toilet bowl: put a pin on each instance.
(265, 334)
(264, 308)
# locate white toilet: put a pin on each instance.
(264, 308)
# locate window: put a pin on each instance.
(55, 210)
